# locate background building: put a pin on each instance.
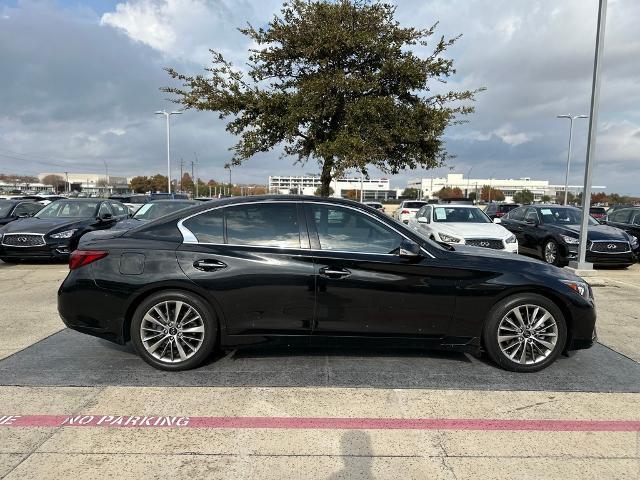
(92, 182)
(373, 188)
(430, 186)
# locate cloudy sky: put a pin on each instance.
(79, 82)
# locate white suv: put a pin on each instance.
(407, 209)
(462, 225)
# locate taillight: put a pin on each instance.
(80, 258)
(499, 214)
(405, 212)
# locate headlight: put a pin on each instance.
(570, 240)
(448, 238)
(511, 239)
(633, 240)
(581, 288)
(65, 234)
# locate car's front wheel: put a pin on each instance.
(173, 330)
(551, 253)
(525, 333)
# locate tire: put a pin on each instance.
(9, 260)
(507, 353)
(174, 340)
(546, 255)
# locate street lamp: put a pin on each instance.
(167, 115)
(229, 167)
(566, 178)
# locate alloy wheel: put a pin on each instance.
(550, 252)
(172, 331)
(527, 334)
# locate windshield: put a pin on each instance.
(5, 208)
(68, 209)
(151, 211)
(564, 216)
(413, 204)
(459, 215)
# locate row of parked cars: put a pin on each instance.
(549, 232)
(30, 229)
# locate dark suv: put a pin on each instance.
(497, 210)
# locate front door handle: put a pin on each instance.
(209, 265)
(334, 272)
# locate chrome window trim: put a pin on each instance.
(190, 238)
(41, 235)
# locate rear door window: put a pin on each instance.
(266, 224)
(517, 214)
(207, 227)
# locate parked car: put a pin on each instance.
(462, 225)
(407, 209)
(597, 212)
(619, 206)
(498, 210)
(551, 233)
(250, 270)
(11, 210)
(627, 219)
(168, 196)
(54, 231)
(377, 205)
(132, 202)
(152, 211)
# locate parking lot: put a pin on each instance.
(335, 412)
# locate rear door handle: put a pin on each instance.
(209, 265)
(334, 272)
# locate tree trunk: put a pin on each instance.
(325, 177)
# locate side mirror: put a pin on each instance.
(530, 221)
(423, 220)
(409, 249)
(497, 220)
(105, 216)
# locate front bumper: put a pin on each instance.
(613, 259)
(58, 250)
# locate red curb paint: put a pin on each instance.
(153, 421)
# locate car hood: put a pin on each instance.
(524, 264)
(472, 230)
(41, 225)
(595, 232)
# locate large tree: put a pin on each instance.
(340, 82)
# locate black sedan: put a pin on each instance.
(243, 271)
(54, 231)
(551, 232)
(11, 210)
(152, 211)
(627, 219)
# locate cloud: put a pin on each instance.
(80, 87)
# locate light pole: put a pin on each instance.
(591, 146)
(566, 178)
(167, 115)
(229, 167)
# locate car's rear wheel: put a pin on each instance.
(525, 333)
(173, 330)
(551, 253)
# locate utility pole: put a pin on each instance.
(181, 174)
(591, 146)
(196, 180)
(192, 175)
(566, 178)
(66, 187)
(167, 115)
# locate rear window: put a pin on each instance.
(414, 204)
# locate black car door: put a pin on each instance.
(254, 262)
(514, 222)
(624, 219)
(531, 231)
(365, 288)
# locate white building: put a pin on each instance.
(92, 182)
(430, 186)
(36, 187)
(373, 188)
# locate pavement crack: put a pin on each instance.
(552, 400)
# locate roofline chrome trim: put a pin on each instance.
(190, 238)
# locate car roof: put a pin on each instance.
(175, 200)
(454, 205)
(80, 200)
